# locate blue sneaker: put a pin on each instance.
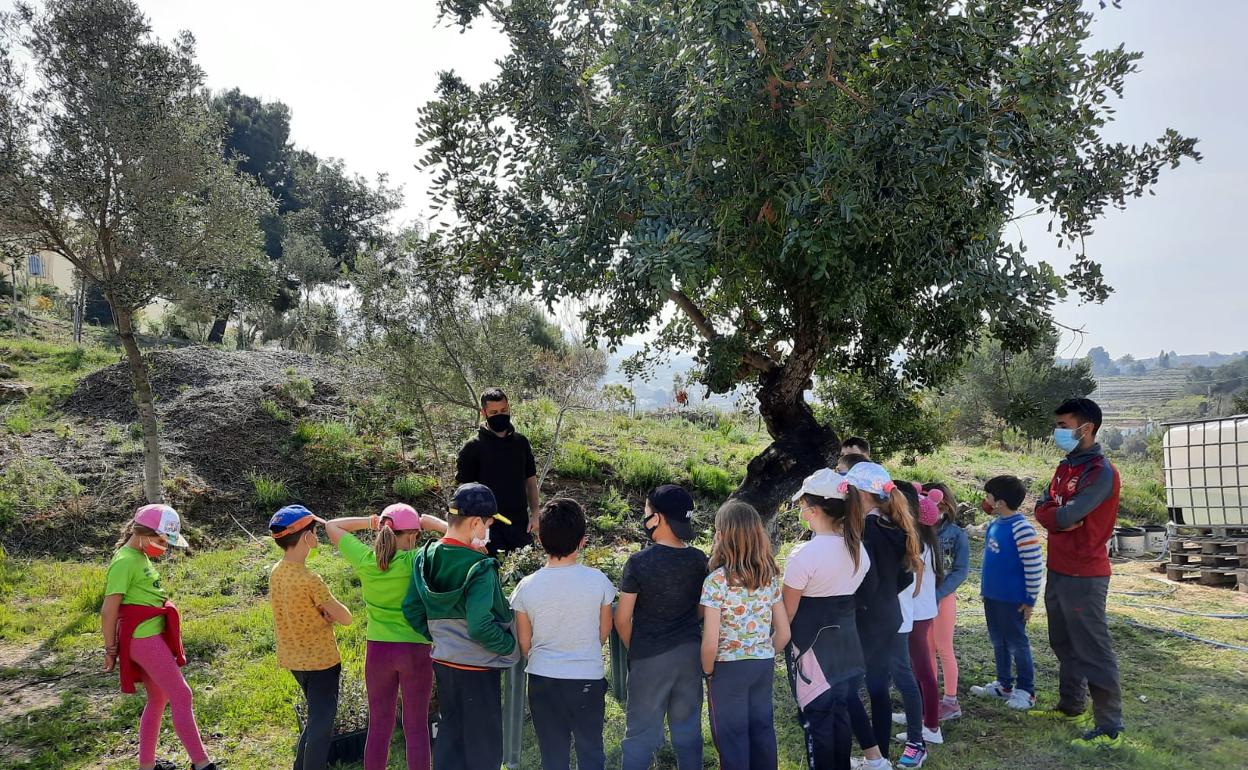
(915, 755)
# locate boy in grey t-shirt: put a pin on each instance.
(563, 616)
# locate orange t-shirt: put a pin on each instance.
(305, 641)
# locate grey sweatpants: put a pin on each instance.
(667, 685)
(1079, 636)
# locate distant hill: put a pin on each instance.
(656, 391)
(1178, 360)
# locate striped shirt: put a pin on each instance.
(1013, 563)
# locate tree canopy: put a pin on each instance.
(813, 186)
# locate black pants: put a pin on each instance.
(827, 727)
(470, 733)
(566, 711)
(1079, 635)
(887, 662)
(320, 690)
(740, 706)
(510, 537)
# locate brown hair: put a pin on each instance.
(130, 530)
(848, 517)
(286, 542)
(387, 545)
(742, 547)
(949, 504)
(902, 513)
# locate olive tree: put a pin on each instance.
(110, 158)
(790, 188)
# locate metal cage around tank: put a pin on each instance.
(1206, 472)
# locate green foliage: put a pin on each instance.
(30, 486)
(19, 422)
(609, 512)
(112, 435)
(575, 461)
(296, 387)
(268, 493)
(410, 486)
(335, 454)
(710, 481)
(641, 470)
(897, 420)
(272, 409)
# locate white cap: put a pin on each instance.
(825, 483)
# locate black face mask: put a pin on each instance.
(650, 530)
(499, 423)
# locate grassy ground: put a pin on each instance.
(1186, 702)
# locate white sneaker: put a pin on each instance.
(862, 763)
(991, 690)
(929, 736)
(899, 718)
(1021, 700)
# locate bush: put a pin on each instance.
(609, 511)
(33, 485)
(272, 409)
(267, 492)
(410, 486)
(19, 423)
(711, 481)
(642, 470)
(575, 461)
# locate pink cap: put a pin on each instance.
(400, 516)
(929, 510)
(163, 520)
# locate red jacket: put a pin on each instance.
(1083, 494)
(128, 620)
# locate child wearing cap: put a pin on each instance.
(657, 619)
(455, 599)
(142, 634)
(304, 614)
(563, 617)
(396, 655)
(825, 661)
(744, 623)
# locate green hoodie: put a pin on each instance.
(455, 599)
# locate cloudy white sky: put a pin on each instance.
(354, 74)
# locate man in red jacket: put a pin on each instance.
(1079, 510)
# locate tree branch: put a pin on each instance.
(753, 358)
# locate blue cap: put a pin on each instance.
(290, 519)
(872, 478)
(474, 499)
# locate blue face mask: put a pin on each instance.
(1066, 439)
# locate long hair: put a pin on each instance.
(949, 504)
(742, 547)
(130, 530)
(387, 545)
(904, 515)
(847, 516)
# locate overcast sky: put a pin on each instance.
(354, 74)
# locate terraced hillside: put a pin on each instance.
(1133, 400)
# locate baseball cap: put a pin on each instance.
(676, 505)
(163, 520)
(474, 499)
(825, 483)
(400, 516)
(871, 477)
(290, 519)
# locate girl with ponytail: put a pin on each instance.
(396, 657)
(892, 543)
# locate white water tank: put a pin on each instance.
(1206, 467)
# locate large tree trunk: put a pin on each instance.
(800, 444)
(217, 334)
(152, 489)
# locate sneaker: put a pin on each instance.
(949, 708)
(165, 764)
(1021, 700)
(914, 755)
(1098, 738)
(209, 766)
(1082, 720)
(929, 736)
(862, 763)
(993, 689)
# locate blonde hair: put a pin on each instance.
(742, 547)
(387, 545)
(903, 515)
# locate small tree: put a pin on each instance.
(571, 380)
(618, 397)
(111, 159)
(1112, 438)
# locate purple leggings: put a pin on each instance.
(388, 668)
(165, 687)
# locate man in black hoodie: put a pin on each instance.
(502, 459)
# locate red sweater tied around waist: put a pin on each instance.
(129, 619)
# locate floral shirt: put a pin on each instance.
(744, 617)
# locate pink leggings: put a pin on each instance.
(388, 668)
(165, 687)
(942, 643)
(924, 674)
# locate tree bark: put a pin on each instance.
(216, 335)
(152, 488)
(800, 445)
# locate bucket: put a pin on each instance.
(1155, 536)
(1132, 542)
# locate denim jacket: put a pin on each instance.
(955, 548)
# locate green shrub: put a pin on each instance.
(711, 481)
(576, 461)
(641, 470)
(33, 485)
(19, 423)
(410, 486)
(609, 511)
(267, 492)
(136, 431)
(113, 435)
(272, 409)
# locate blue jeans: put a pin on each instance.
(665, 685)
(741, 713)
(1008, 633)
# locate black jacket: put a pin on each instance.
(502, 464)
(879, 611)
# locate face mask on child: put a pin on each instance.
(154, 547)
(645, 524)
(986, 507)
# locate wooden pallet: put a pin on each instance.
(1213, 560)
(1243, 580)
(1206, 576)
